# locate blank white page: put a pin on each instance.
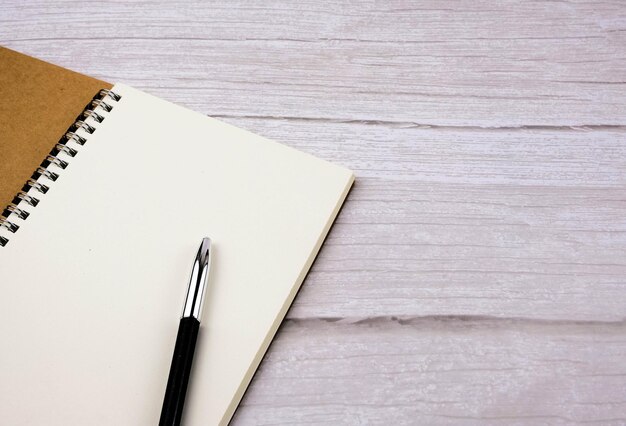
(93, 282)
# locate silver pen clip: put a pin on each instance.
(198, 281)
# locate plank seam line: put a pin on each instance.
(416, 125)
(455, 320)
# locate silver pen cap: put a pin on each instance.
(198, 281)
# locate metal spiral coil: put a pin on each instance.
(95, 112)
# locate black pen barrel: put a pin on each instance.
(180, 370)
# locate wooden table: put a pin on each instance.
(477, 273)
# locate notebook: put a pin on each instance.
(93, 279)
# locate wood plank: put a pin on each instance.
(440, 371)
(542, 157)
(450, 63)
(520, 252)
(526, 223)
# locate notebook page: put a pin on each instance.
(93, 282)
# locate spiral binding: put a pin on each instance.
(95, 112)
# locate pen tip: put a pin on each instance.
(205, 248)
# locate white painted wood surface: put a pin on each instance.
(477, 273)
(442, 371)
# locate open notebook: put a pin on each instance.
(93, 280)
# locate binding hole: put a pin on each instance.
(47, 174)
(80, 124)
(111, 94)
(57, 162)
(38, 186)
(3, 241)
(91, 113)
(71, 136)
(12, 227)
(100, 103)
(22, 214)
(66, 149)
(28, 199)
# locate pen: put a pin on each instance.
(188, 327)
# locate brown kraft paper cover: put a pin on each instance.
(38, 103)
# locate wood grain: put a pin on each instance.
(436, 63)
(497, 223)
(440, 371)
(476, 274)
